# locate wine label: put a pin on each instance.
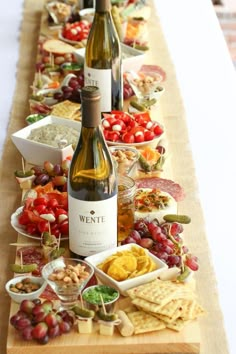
(92, 225)
(102, 79)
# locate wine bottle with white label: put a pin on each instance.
(103, 63)
(92, 185)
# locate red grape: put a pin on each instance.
(51, 319)
(145, 242)
(40, 330)
(22, 323)
(64, 327)
(26, 333)
(191, 263)
(54, 331)
(176, 228)
(27, 306)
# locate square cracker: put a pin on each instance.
(144, 322)
(177, 325)
(66, 109)
(162, 292)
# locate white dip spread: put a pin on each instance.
(55, 135)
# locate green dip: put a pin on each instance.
(92, 294)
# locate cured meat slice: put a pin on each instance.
(165, 185)
(49, 294)
(151, 69)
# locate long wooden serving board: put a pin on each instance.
(164, 341)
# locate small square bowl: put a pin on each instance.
(36, 153)
(123, 286)
(18, 297)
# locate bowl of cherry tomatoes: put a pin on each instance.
(75, 33)
(136, 129)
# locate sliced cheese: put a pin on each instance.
(153, 212)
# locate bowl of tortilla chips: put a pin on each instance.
(126, 266)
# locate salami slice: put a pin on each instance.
(49, 294)
(165, 185)
(152, 69)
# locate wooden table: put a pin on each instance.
(212, 341)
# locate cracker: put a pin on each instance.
(146, 305)
(157, 292)
(144, 322)
(191, 311)
(163, 318)
(162, 292)
(66, 109)
(177, 325)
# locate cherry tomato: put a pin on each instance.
(64, 227)
(119, 123)
(125, 117)
(148, 135)
(23, 218)
(139, 137)
(113, 136)
(158, 130)
(40, 208)
(31, 229)
(142, 118)
(59, 212)
(43, 226)
(53, 203)
(132, 124)
(128, 138)
(40, 201)
(55, 230)
(108, 122)
(61, 198)
(106, 134)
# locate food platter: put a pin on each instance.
(16, 226)
(189, 338)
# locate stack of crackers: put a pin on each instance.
(67, 109)
(162, 304)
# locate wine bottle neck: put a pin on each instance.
(91, 114)
(103, 5)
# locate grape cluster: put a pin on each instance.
(49, 172)
(164, 241)
(36, 320)
(72, 91)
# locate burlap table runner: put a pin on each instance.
(213, 339)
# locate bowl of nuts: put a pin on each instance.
(25, 287)
(67, 277)
(126, 158)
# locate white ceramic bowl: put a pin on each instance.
(87, 14)
(21, 229)
(27, 296)
(36, 153)
(123, 286)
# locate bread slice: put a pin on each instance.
(56, 46)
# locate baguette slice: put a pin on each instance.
(56, 46)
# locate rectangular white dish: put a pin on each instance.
(123, 286)
(36, 153)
